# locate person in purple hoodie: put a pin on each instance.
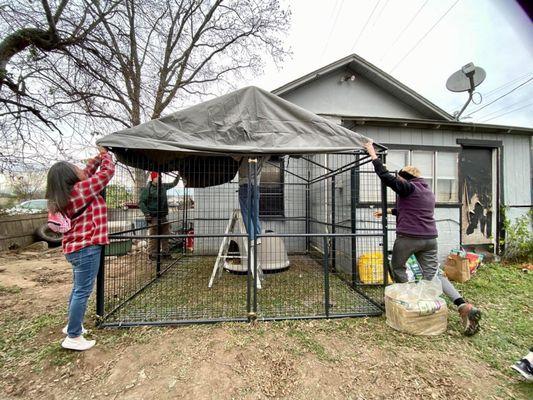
(416, 233)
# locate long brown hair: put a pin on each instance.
(59, 182)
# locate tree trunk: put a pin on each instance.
(141, 178)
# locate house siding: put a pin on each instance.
(358, 97)
(332, 98)
(215, 205)
(516, 153)
(516, 185)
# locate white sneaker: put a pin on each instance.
(65, 329)
(258, 241)
(79, 343)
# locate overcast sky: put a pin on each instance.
(420, 43)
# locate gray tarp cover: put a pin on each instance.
(247, 121)
(198, 141)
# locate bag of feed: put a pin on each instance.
(416, 308)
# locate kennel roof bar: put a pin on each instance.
(249, 121)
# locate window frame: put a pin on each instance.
(434, 150)
(280, 213)
(436, 177)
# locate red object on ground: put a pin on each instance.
(473, 261)
(189, 241)
(130, 206)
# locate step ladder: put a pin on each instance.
(235, 223)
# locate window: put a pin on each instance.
(35, 204)
(438, 168)
(271, 201)
(42, 204)
(446, 173)
(423, 160)
(396, 160)
(369, 186)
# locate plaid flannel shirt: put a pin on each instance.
(90, 228)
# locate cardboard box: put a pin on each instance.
(457, 268)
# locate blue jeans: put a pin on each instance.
(255, 228)
(85, 264)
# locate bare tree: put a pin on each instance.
(153, 52)
(43, 28)
(155, 56)
(31, 117)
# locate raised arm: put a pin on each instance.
(400, 186)
(174, 183)
(93, 164)
(90, 188)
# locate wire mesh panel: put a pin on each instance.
(238, 238)
(338, 210)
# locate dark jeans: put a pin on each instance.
(255, 228)
(425, 251)
(85, 264)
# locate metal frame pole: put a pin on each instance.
(333, 227)
(184, 222)
(249, 310)
(254, 204)
(100, 279)
(326, 277)
(353, 216)
(307, 211)
(100, 285)
(384, 225)
(159, 214)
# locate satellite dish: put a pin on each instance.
(466, 80)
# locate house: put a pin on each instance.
(474, 169)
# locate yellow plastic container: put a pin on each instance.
(370, 267)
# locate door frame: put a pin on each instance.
(497, 155)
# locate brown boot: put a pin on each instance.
(470, 317)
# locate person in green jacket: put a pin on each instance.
(148, 204)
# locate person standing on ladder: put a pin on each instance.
(246, 181)
(155, 213)
(416, 233)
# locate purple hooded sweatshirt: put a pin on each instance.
(415, 205)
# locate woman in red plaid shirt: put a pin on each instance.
(75, 192)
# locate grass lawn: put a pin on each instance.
(504, 295)
(358, 358)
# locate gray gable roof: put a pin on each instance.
(378, 77)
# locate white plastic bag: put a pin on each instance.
(416, 308)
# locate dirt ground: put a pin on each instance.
(337, 359)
